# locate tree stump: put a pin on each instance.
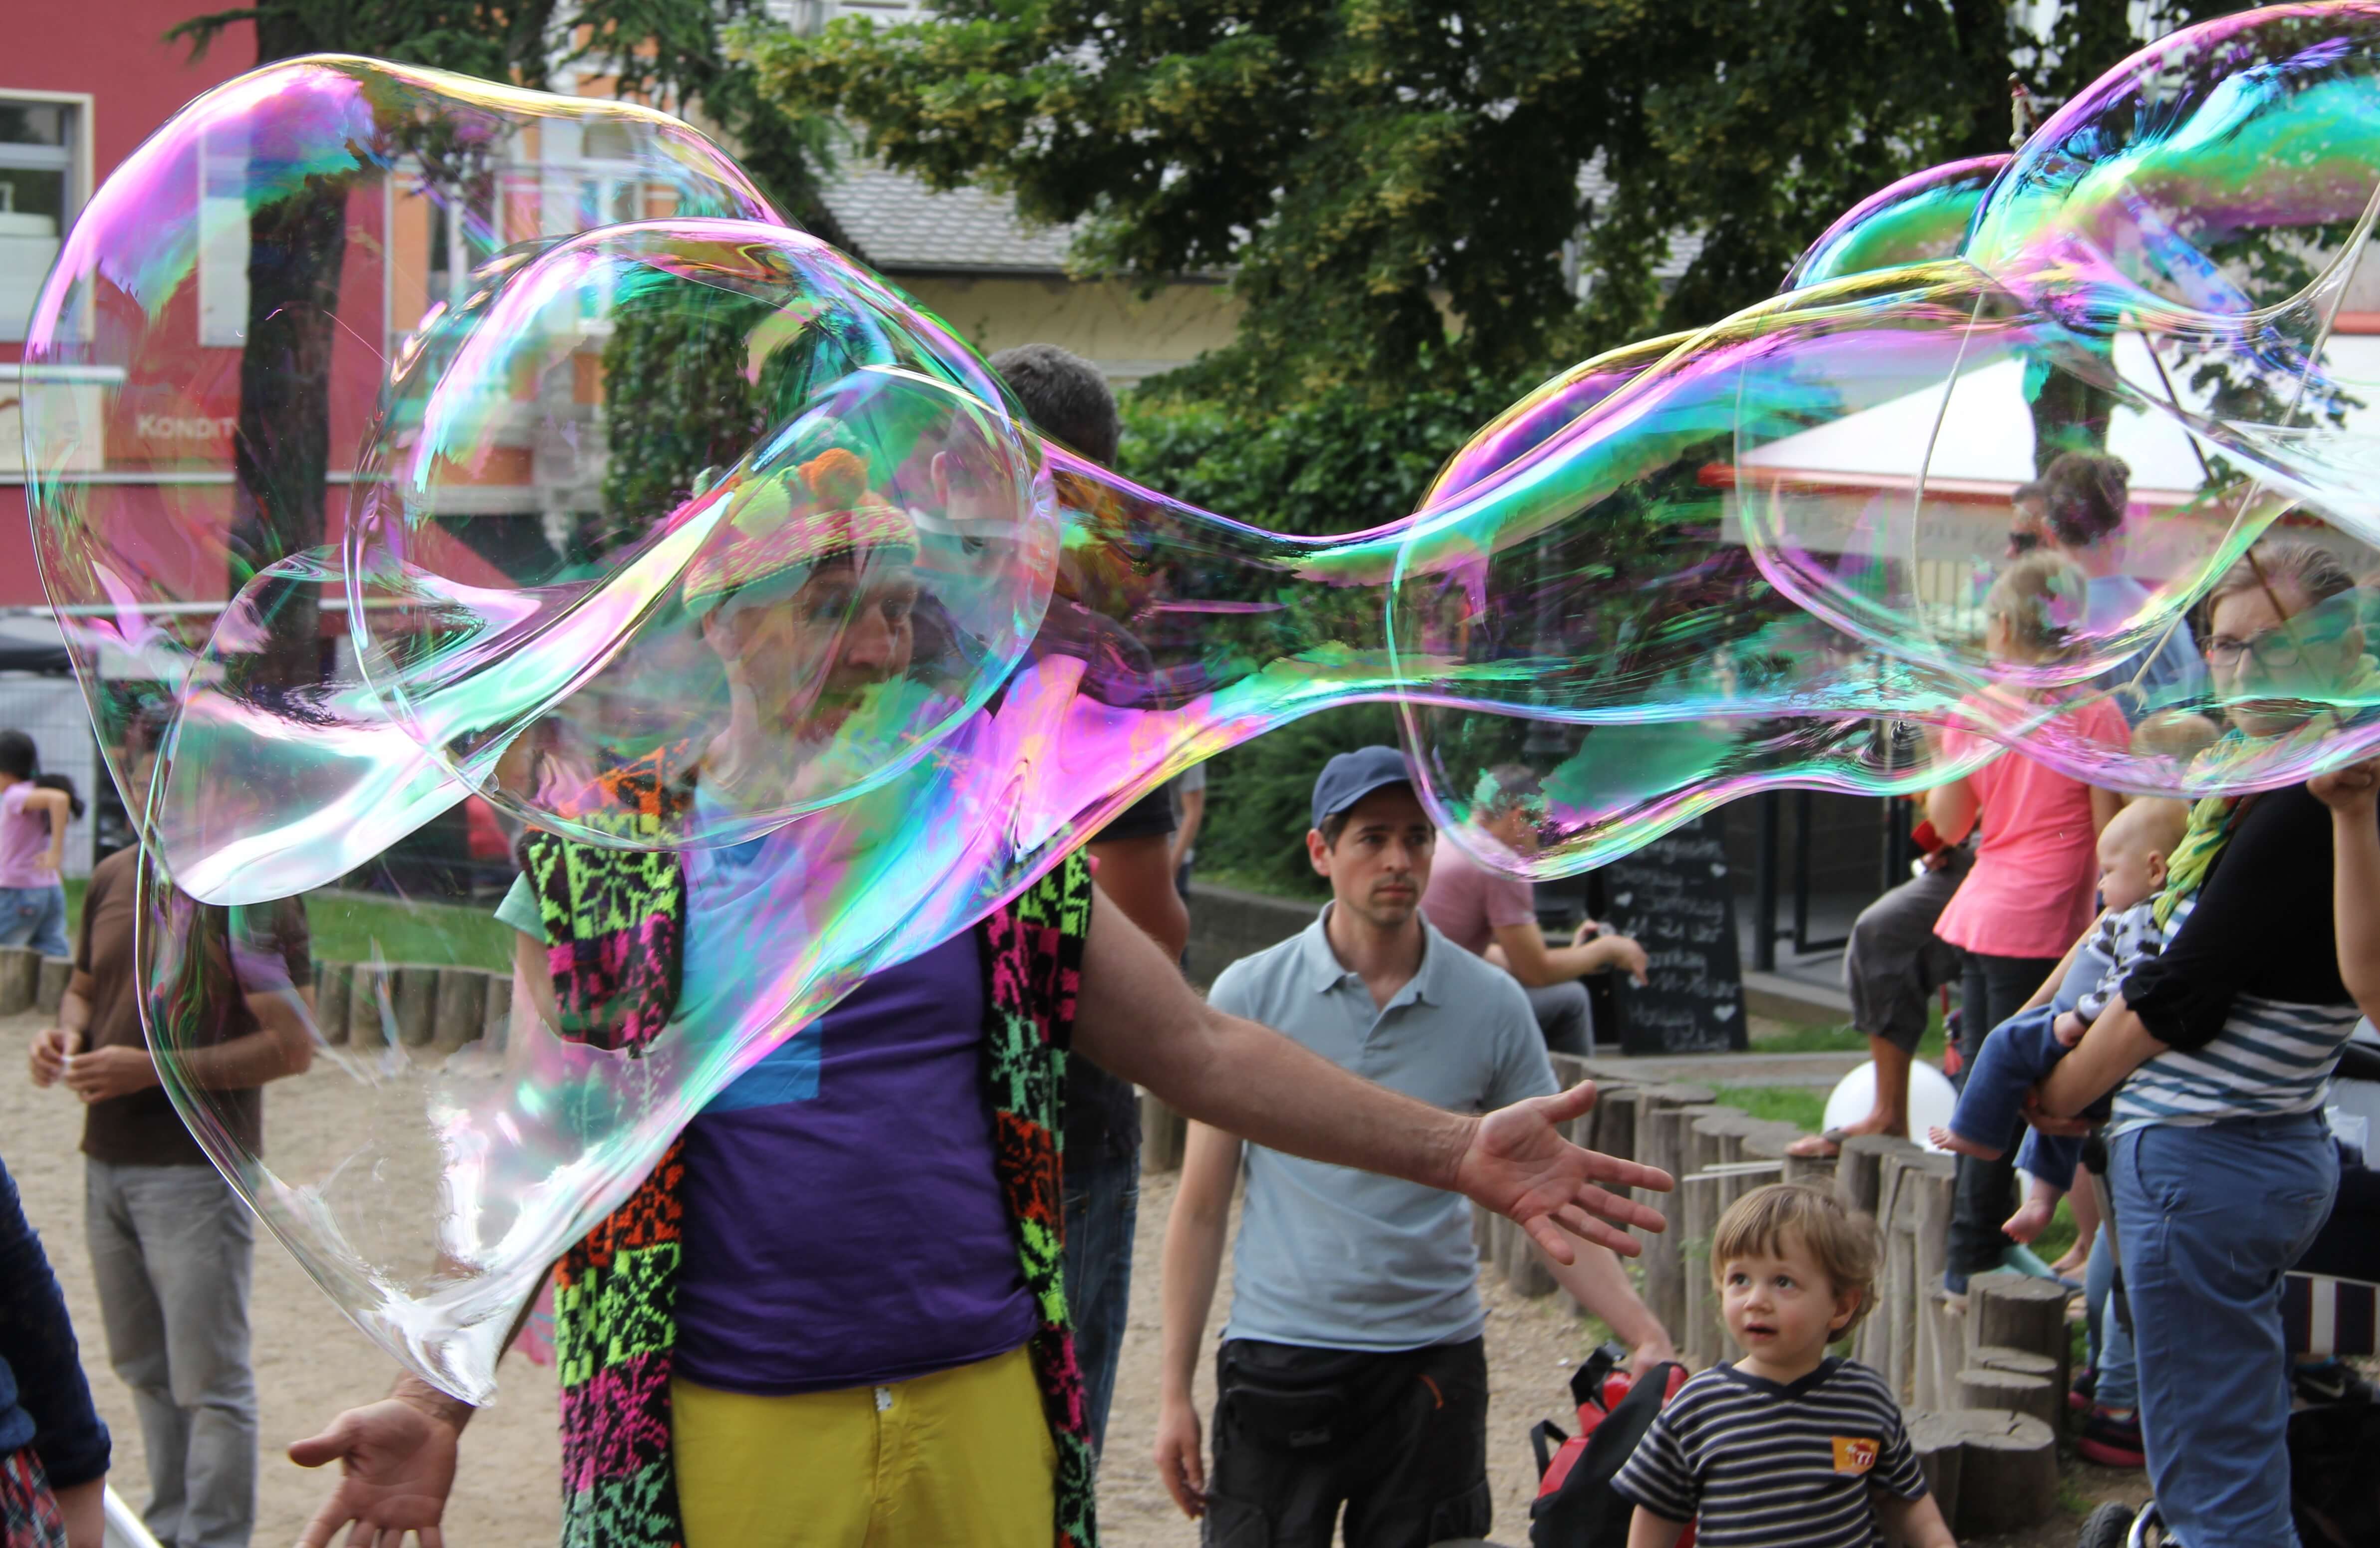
(462, 1011)
(2025, 1363)
(2013, 1391)
(57, 973)
(1569, 1070)
(1859, 1177)
(21, 979)
(368, 1019)
(1614, 1118)
(416, 1002)
(1163, 1133)
(498, 1028)
(1927, 1190)
(332, 982)
(2015, 1311)
(1940, 1440)
(1700, 1200)
(1661, 1129)
(2008, 1474)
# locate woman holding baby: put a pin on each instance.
(2220, 1050)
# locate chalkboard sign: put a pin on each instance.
(1675, 898)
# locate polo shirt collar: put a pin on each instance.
(1324, 970)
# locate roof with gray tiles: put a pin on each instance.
(896, 223)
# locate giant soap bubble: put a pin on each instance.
(555, 484)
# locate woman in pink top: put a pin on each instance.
(32, 844)
(2029, 894)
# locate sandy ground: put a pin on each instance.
(311, 1362)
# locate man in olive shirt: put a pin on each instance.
(170, 1242)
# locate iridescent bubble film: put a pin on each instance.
(556, 486)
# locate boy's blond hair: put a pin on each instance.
(1769, 1220)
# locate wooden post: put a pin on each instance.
(498, 1028)
(416, 999)
(2025, 1363)
(332, 985)
(1885, 1338)
(1660, 1143)
(2008, 1474)
(1941, 1341)
(1615, 1122)
(462, 1011)
(57, 973)
(2011, 1390)
(1524, 1269)
(367, 1029)
(2013, 1310)
(1163, 1133)
(1940, 1440)
(1569, 1070)
(1699, 1330)
(1857, 1170)
(21, 979)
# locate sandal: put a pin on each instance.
(1823, 1146)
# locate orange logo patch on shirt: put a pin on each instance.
(1855, 1454)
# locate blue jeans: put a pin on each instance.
(35, 916)
(1102, 1207)
(2210, 1219)
(2111, 1341)
(2019, 1053)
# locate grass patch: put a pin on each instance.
(359, 927)
(1803, 1038)
(1802, 1106)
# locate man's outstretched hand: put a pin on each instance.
(398, 1464)
(1518, 1164)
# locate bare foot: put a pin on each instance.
(2029, 1221)
(1829, 1142)
(1950, 1141)
(2071, 1266)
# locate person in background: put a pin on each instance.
(171, 1243)
(1491, 914)
(1190, 798)
(54, 1447)
(2028, 896)
(1352, 1371)
(1134, 863)
(2085, 497)
(32, 847)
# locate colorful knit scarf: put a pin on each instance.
(614, 1293)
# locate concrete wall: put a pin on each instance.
(1226, 925)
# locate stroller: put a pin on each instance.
(2334, 1489)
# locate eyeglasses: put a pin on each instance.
(2279, 647)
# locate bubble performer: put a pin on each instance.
(498, 553)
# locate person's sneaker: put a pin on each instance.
(2112, 1442)
(2077, 1398)
(2330, 1381)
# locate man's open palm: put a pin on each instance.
(398, 1466)
(1518, 1165)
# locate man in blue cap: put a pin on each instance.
(1352, 1373)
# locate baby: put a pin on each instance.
(2021, 1050)
(1787, 1445)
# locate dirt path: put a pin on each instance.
(311, 1363)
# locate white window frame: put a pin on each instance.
(81, 109)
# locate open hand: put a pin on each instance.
(396, 1462)
(47, 1057)
(1518, 1164)
(1178, 1460)
(1623, 953)
(115, 1070)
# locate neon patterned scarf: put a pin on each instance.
(614, 1293)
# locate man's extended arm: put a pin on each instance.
(1193, 1263)
(1597, 1282)
(1138, 1018)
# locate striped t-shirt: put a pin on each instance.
(1753, 1462)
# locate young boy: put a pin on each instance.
(1788, 1444)
(2021, 1050)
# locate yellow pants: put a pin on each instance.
(959, 1456)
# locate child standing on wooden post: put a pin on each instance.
(1788, 1444)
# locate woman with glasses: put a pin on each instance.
(2220, 1050)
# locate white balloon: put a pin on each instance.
(1931, 1098)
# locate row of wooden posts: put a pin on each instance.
(357, 1004)
(1984, 1389)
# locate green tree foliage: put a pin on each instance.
(1398, 181)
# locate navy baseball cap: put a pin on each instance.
(1350, 777)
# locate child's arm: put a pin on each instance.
(2048, 989)
(1648, 1531)
(1916, 1523)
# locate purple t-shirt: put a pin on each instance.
(844, 1225)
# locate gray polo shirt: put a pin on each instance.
(1333, 1258)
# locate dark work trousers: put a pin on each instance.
(1399, 1438)
(1994, 989)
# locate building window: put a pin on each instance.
(39, 188)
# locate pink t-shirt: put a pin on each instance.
(24, 840)
(1469, 902)
(2037, 866)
